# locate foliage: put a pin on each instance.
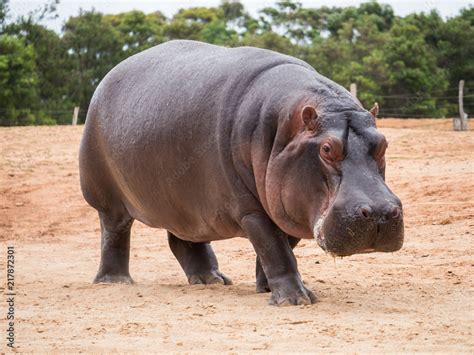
(136, 31)
(411, 65)
(3, 12)
(52, 65)
(18, 81)
(94, 47)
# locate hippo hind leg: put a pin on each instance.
(115, 248)
(262, 282)
(198, 261)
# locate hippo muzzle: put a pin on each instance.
(364, 227)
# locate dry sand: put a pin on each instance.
(418, 299)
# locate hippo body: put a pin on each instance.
(212, 143)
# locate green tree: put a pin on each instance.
(94, 47)
(232, 13)
(217, 32)
(300, 25)
(53, 67)
(188, 23)
(203, 24)
(413, 71)
(137, 31)
(3, 13)
(354, 53)
(467, 51)
(18, 82)
(455, 52)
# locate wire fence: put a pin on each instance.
(435, 104)
(27, 116)
(393, 105)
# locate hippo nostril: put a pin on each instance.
(365, 212)
(395, 212)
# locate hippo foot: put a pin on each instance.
(301, 296)
(111, 278)
(262, 282)
(212, 277)
(263, 287)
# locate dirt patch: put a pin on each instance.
(418, 299)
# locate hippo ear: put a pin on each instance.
(375, 110)
(309, 116)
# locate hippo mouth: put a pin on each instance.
(321, 240)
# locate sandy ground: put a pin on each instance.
(418, 299)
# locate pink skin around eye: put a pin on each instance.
(331, 150)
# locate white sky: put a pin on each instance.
(67, 8)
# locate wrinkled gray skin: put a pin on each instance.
(212, 143)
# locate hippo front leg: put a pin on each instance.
(262, 282)
(277, 260)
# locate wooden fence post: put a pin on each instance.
(75, 115)
(353, 89)
(460, 123)
(462, 114)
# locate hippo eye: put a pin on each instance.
(331, 150)
(326, 148)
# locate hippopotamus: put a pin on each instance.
(211, 143)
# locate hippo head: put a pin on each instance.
(326, 179)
